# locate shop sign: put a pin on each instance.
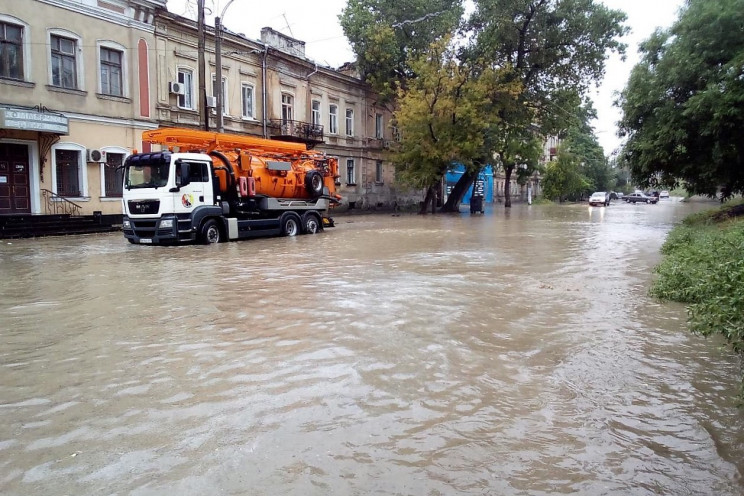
(30, 120)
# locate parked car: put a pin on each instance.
(664, 194)
(640, 198)
(599, 198)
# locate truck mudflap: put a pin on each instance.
(328, 222)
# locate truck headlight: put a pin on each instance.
(126, 224)
(166, 223)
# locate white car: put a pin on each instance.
(599, 198)
(664, 194)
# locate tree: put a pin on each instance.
(683, 106)
(387, 36)
(440, 116)
(562, 178)
(555, 49)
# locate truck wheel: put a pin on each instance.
(314, 183)
(311, 224)
(210, 232)
(290, 224)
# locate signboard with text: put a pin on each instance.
(31, 120)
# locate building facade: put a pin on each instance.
(80, 80)
(271, 89)
(75, 86)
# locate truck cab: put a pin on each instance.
(166, 195)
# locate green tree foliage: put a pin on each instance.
(563, 179)
(582, 142)
(555, 49)
(441, 116)
(683, 107)
(386, 36)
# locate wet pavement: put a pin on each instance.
(507, 353)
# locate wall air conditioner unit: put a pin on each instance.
(212, 101)
(176, 88)
(95, 155)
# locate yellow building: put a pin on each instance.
(75, 96)
(80, 80)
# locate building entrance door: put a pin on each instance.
(15, 193)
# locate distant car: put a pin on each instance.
(640, 198)
(599, 198)
(664, 194)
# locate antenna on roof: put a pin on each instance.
(287, 22)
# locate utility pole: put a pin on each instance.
(218, 73)
(203, 111)
(218, 69)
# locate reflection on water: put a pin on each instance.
(495, 354)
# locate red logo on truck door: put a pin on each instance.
(187, 200)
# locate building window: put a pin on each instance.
(225, 109)
(111, 72)
(396, 133)
(247, 97)
(350, 171)
(113, 175)
(379, 131)
(349, 122)
(64, 63)
(287, 107)
(186, 78)
(333, 119)
(378, 172)
(11, 51)
(315, 114)
(68, 173)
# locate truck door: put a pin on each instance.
(198, 190)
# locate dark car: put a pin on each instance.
(640, 198)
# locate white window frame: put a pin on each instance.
(26, 45)
(379, 126)
(350, 178)
(288, 101)
(79, 66)
(349, 122)
(183, 69)
(333, 118)
(110, 149)
(248, 112)
(316, 117)
(110, 45)
(82, 169)
(225, 106)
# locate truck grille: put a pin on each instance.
(144, 207)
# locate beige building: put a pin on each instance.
(80, 80)
(272, 89)
(75, 96)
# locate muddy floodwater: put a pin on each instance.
(501, 354)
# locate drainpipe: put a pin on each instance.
(316, 70)
(263, 88)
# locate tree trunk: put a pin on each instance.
(430, 197)
(459, 190)
(507, 185)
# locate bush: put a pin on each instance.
(704, 267)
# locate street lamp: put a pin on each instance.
(218, 71)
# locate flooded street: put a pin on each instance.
(506, 354)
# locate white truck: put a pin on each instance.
(213, 187)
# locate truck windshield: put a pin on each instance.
(144, 175)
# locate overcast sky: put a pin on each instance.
(317, 25)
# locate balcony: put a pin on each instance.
(296, 131)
